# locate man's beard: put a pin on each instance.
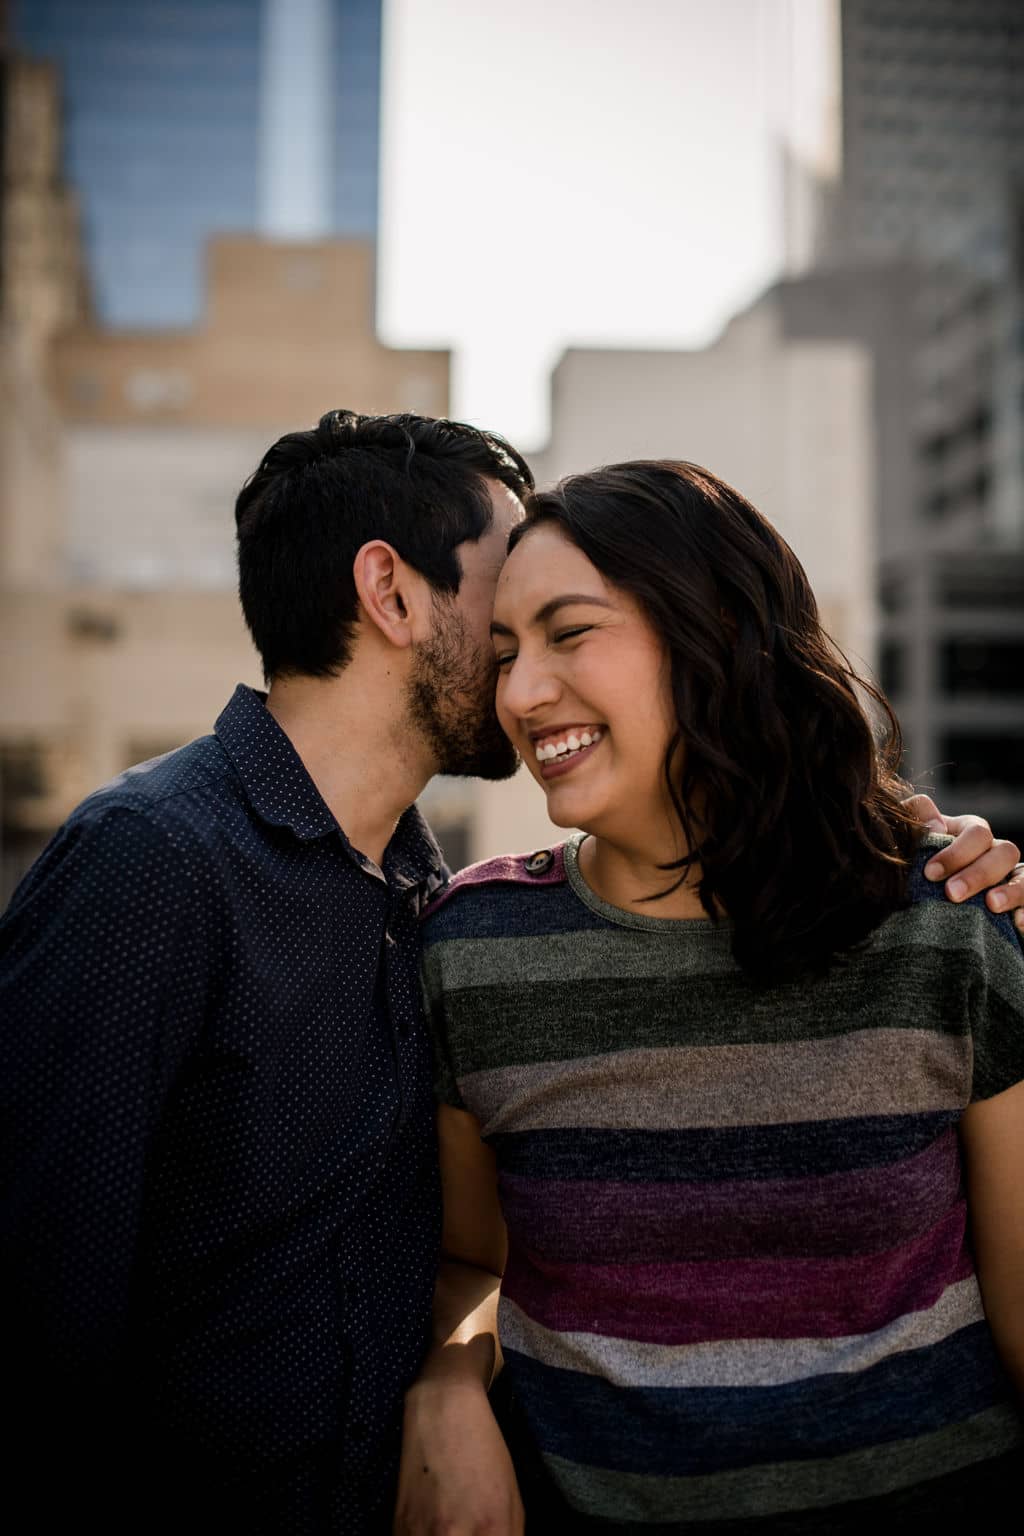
(451, 701)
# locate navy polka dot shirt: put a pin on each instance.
(220, 1204)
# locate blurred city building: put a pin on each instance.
(207, 117)
(122, 452)
(163, 427)
(920, 255)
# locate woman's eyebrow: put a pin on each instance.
(552, 606)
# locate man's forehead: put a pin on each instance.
(483, 559)
(507, 505)
(491, 573)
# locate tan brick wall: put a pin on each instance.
(100, 678)
(287, 335)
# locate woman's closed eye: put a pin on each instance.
(506, 658)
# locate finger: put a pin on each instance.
(988, 870)
(926, 812)
(1009, 897)
(957, 824)
(970, 844)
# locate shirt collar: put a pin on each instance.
(282, 793)
(413, 856)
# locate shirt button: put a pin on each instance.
(540, 862)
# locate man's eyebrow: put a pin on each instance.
(552, 606)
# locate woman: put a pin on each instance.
(725, 1068)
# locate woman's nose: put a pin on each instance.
(527, 687)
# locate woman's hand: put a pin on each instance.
(974, 861)
(456, 1474)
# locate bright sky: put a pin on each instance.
(584, 171)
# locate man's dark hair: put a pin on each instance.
(318, 496)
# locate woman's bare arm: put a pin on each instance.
(993, 1140)
(456, 1474)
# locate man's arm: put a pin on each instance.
(101, 986)
(974, 861)
(456, 1473)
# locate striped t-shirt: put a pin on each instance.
(739, 1285)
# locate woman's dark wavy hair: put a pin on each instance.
(790, 806)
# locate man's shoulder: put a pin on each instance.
(143, 831)
(494, 884)
(163, 809)
(169, 791)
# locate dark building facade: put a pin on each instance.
(923, 258)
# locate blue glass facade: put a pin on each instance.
(162, 135)
(357, 115)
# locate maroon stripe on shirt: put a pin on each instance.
(703, 1300)
(612, 1221)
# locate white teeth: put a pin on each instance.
(572, 743)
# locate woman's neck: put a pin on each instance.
(625, 876)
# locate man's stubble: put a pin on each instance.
(451, 701)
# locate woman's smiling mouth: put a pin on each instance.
(559, 751)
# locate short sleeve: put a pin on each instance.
(446, 1088)
(997, 1011)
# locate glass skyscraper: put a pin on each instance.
(165, 132)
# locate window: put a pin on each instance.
(153, 389)
(982, 666)
(892, 595)
(23, 773)
(984, 587)
(891, 668)
(982, 761)
(455, 844)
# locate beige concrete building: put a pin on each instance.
(287, 327)
(161, 429)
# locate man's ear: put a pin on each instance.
(387, 590)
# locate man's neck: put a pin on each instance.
(348, 731)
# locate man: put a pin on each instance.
(221, 1210)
